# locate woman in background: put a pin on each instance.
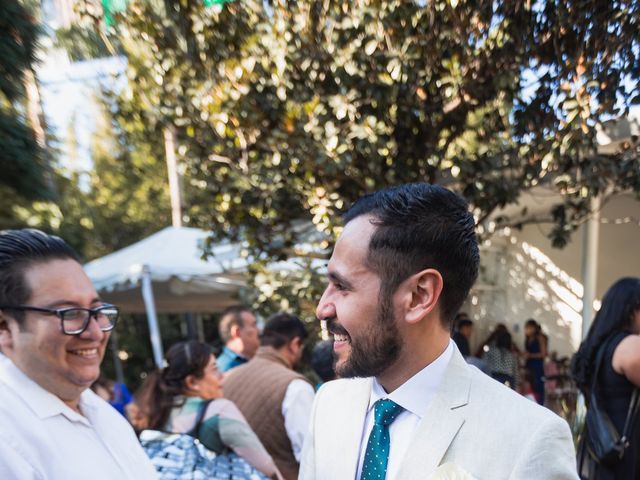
(615, 331)
(171, 398)
(501, 360)
(535, 345)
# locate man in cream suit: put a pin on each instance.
(408, 404)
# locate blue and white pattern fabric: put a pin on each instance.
(179, 456)
(376, 456)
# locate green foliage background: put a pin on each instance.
(286, 112)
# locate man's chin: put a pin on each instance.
(84, 379)
(345, 369)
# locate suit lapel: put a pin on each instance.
(348, 422)
(441, 423)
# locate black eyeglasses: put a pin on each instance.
(75, 320)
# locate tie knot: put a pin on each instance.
(386, 411)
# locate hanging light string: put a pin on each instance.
(621, 221)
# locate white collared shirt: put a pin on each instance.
(414, 396)
(296, 410)
(43, 438)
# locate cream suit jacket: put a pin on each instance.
(473, 422)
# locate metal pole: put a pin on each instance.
(117, 363)
(200, 327)
(150, 307)
(590, 264)
(192, 328)
(174, 177)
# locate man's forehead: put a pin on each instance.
(60, 279)
(351, 250)
(355, 236)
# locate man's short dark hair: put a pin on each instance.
(20, 249)
(281, 328)
(230, 317)
(420, 226)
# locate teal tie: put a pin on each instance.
(376, 456)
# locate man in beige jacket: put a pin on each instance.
(408, 404)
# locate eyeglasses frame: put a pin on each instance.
(59, 312)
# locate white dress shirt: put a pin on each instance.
(414, 396)
(296, 410)
(43, 438)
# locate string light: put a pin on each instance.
(620, 221)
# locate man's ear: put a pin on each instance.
(294, 344)
(423, 293)
(6, 337)
(235, 331)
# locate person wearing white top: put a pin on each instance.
(296, 409)
(53, 333)
(407, 405)
(275, 400)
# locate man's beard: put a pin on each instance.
(376, 349)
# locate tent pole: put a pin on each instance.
(192, 332)
(150, 307)
(200, 327)
(117, 363)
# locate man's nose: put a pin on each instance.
(325, 308)
(93, 330)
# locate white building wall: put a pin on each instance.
(523, 276)
(517, 282)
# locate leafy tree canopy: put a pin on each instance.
(22, 160)
(286, 112)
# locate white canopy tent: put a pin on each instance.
(165, 273)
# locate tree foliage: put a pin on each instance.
(22, 161)
(286, 112)
(122, 199)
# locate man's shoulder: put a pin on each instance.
(343, 386)
(232, 371)
(89, 399)
(489, 398)
(265, 368)
(12, 406)
(227, 359)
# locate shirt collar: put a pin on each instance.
(234, 355)
(415, 394)
(44, 404)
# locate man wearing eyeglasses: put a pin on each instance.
(54, 331)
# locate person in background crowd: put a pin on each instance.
(274, 398)
(551, 374)
(54, 331)
(615, 332)
(501, 361)
(170, 399)
(115, 393)
(490, 340)
(525, 389)
(463, 329)
(322, 361)
(535, 353)
(238, 329)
